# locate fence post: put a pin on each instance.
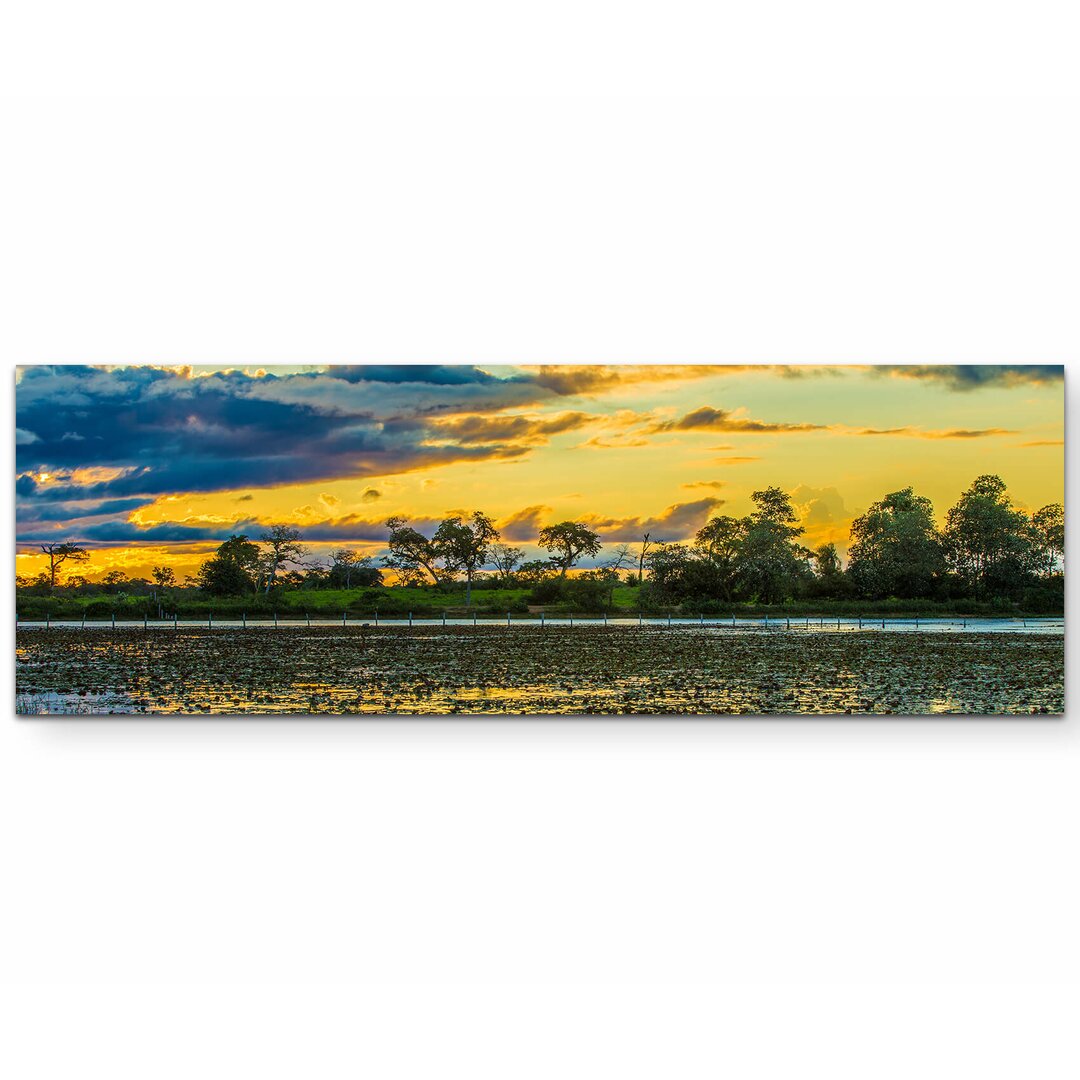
(344, 614)
(882, 624)
(175, 623)
(766, 622)
(916, 622)
(639, 618)
(508, 618)
(669, 618)
(789, 622)
(410, 618)
(605, 618)
(837, 622)
(733, 620)
(376, 616)
(84, 619)
(444, 618)
(244, 617)
(307, 616)
(860, 622)
(275, 618)
(144, 622)
(210, 621)
(47, 620)
(571, 620)
(541, 620)
(701, 620)
(114, 620)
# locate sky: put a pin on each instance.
(148, 465)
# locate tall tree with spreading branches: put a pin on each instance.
(463, 547)
(569, 541)
(59, 553)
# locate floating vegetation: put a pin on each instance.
(489, 670)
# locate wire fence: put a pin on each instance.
(804, 623)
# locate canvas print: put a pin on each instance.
(553, 540)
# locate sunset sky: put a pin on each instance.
(150, 465)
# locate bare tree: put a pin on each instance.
(505, 559)
(61, 553)
(609, 569)
(646, 543)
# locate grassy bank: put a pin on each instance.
(425, 602)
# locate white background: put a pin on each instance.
(781, 182)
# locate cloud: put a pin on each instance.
(28, 513)
(25, 438)
(676, 523)
(616, 442)
(127, 532)
(1045, 442)
(525, 524)
(734, 460)
(510, 429)
(975, 376)
(432, 374)
(818, 506)
(822, 514)
(157, 432)
(704, 484)
(709, 419)
(370, 495)
(954, 433)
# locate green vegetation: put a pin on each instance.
(990, 558)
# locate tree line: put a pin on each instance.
(987, 549)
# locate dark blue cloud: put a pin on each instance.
(435, 374)
(976, 376)
(126, 532)
(66, 511)
(164, 432)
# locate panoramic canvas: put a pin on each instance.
(463, 539)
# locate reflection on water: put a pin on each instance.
(554, 670)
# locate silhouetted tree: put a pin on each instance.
(505, 559)
(896, 549)
(411, 553)
(569, 541)
(988, 541)
(535, 571)
(646, 543)
(163, 576)
(59, 553)
(771, 563)
(1048, 527)
(232, 570)
(285, 547)
(464, 547)
(349, 568)
(718, 544)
